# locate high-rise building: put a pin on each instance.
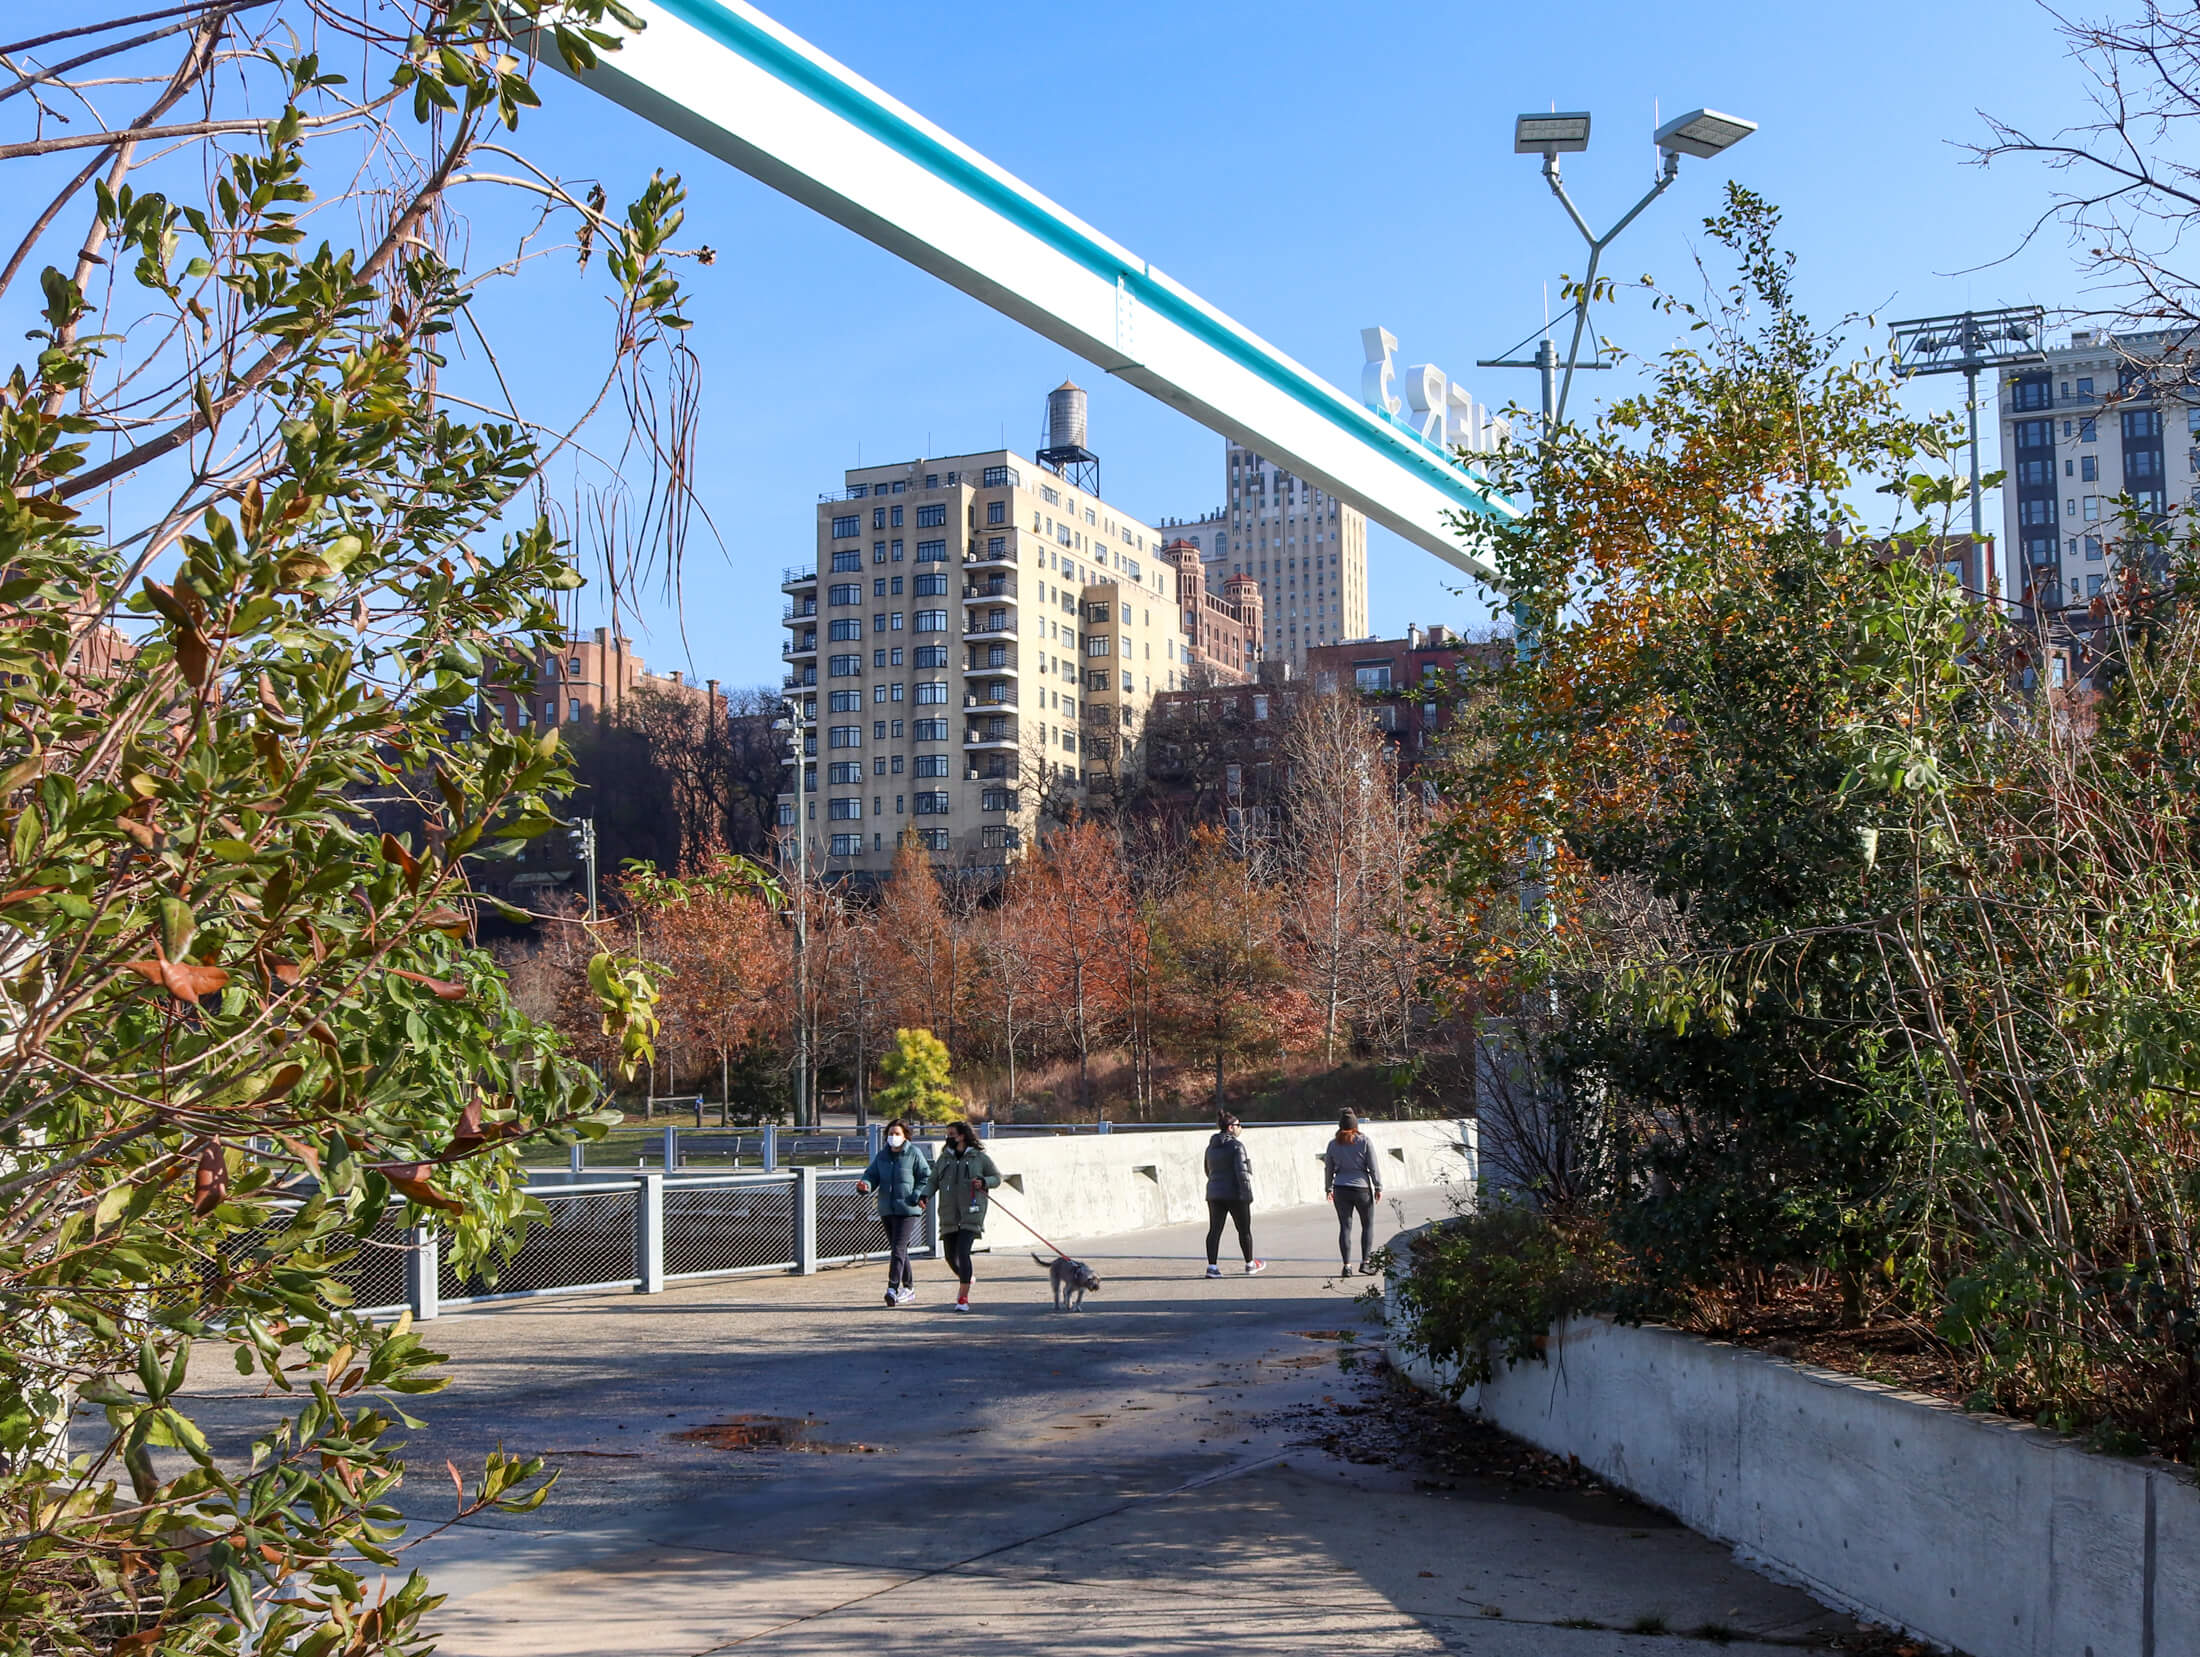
(974, 632)
(1306, 548)
(2079, 429)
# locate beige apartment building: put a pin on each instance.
(1306, 548)
(975, 633)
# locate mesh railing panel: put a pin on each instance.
(737, 1226)
(376, 1273)
(847, 1221)
(588, 1242)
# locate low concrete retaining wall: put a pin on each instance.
(1094, 1185)
(1975, 1532)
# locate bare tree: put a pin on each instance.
(2129, 194)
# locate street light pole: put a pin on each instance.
(584, 842)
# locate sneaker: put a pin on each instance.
(1253, 1268)
(893, 1297)
(908, 1296)
(962, 1301)
(1367, 1268)
(1214, 1271)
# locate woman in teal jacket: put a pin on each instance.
(963, 1181)
(900, 1175)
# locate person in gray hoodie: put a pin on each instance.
(1353, 1180)
(1230, 1194)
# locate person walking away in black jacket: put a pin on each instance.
(1230, 1193)
(899, 1174)
(1353, 1180)
(963, 1182)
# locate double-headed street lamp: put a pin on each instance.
(1703, 133)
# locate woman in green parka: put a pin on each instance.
(963, 1181)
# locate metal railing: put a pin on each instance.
(641, 1233)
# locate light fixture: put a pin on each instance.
(1703, 133)
(1551, 134)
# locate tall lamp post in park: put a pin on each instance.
(1703, 133)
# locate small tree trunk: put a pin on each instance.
(725, 1093)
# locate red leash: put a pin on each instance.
(1059, 1251)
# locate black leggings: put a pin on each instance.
(901, 1235)
(1239, 1209)
(1351, 1200)
(956, 1246)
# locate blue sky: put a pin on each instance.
(1311, 169)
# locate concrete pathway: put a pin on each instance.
(1012, 1480)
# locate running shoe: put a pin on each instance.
(893, 1297)
(1367, 1268)
(1253, 1268)
(1214, 1271)
(962, 1303)
(908, 1296)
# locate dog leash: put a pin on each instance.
(1060, 1252)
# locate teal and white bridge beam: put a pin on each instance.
(737, 85)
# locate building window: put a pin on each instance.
(844, 808)
(996, 546)
(844, 627)
(929, 730)
(878, 517)
(1371, 675)
(933, 585)
(932, 691)
(847, 845)
(844, 771)
(786, 814)
(998, 799)
(844, 528)
(846, 701)
(878, 730)
(841, 667)
(931, 765)
(2089, 468)
(2093, 549)
(931, 839)
(2092, 585)
(931, 517)
(844, 592)
(846, 561)
(1100, 644)
(2092, 509)
(929, 655)
(933, 803)
(1069, 743)
(931, 621)
(2088, 431)
(844, 736)
(1000, 477)
(895, 520)
(931, 552)
(2142, 423)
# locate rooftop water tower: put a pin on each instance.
(1064, 449)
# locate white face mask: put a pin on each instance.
(894, 1140)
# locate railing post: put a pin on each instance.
(576, 1158)
(932, 1230)
(805, 1221)
(1105, 1126)
(771, 1147)
(649, 1234)
(985, 1130)
(671, 1157)
(871, 1133)
(424, 1274)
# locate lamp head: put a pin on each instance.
(1551, 134)
(1703, 133)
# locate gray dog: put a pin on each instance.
(1070, 1279)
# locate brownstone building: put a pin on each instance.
(585, 678)
(1398, 678)
(1224, 630)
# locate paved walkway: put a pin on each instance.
(1106, 1482)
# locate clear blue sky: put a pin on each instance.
(1311, 169)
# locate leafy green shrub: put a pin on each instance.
(1488, 1286)
(917, 1086)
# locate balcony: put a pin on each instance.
(796, 649)
(979, 738)
(1004, 586)
(796, 575)
(800, 680)
(979, 557)
(804, 611)
(989, 628)
(1000, 696)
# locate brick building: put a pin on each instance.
(1222, 629)
(585, 678)
(1389, 672)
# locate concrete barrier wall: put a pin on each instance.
(1094, 1185)
(1975, 1532)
